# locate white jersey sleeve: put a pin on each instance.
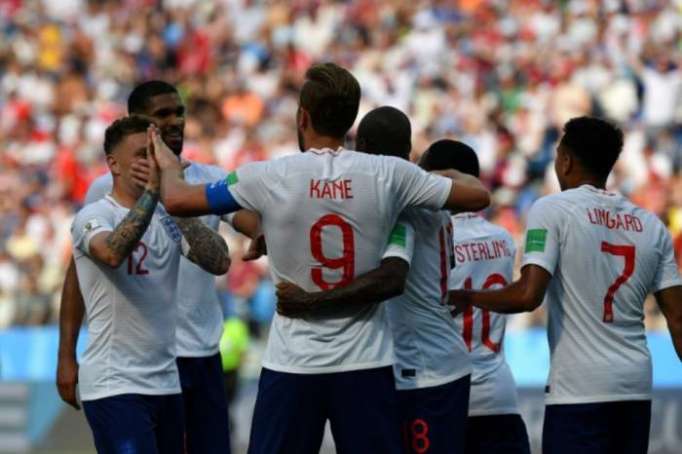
(416, 187)
(100, 187)
(401, 242)
(543, 236)
(90, 221)
(250, 184)
(667, 274)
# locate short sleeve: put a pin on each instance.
(418, 188)
(99, 188)
(249, 186)
(543, 236)
(90, 221)
(215, 173)
(667, 273)
(401, 242)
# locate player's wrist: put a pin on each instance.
(153, 189)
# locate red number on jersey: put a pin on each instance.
(139, 270)
(447, 259)
(468, 316)
(628, 253)
(346, 261)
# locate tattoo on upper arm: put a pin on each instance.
(207, 248)
(128, 232)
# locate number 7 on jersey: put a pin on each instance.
(628, 253)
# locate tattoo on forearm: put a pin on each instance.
(207, 248)
(125, 236)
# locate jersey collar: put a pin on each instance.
(325, 150)
(591, 188)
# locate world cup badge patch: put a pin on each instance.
(91, 226)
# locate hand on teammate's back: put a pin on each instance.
(257, 248)
(458, 301)
(67, 379)
(292, 300)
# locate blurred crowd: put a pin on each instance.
(500, 75)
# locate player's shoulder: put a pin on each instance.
(651, 223)
(557, 205)
(103, 180)
(204, 173)
(469, 226)
(99, 208)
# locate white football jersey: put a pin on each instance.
(484, 257)
(326, 216)
(428, 351)
(200, 317)
(605, 255)
(131, 312)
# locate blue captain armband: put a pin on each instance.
(220, 199)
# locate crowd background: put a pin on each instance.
(502, 76)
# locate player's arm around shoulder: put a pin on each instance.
(467, 193)
(380, 284)
(541, 255)
(207, 248)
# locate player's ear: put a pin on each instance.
(302, 119)
(564, 162)
(112, 163)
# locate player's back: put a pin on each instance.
(484, 257)
(609, 256)
(428, 350)
(326, 217)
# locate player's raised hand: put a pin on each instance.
(67, 379)
(151, 164)
(165, 159)
(292, 300)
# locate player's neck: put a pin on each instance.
(592, 181)
(322, 142)
(124, 196)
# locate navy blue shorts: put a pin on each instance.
(497, 433)
(207, 430)
(136, 424)
(291, 411)
(597, 428)
(433, 420)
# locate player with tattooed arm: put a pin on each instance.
(127, 251)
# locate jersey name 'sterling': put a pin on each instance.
(482, 250)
